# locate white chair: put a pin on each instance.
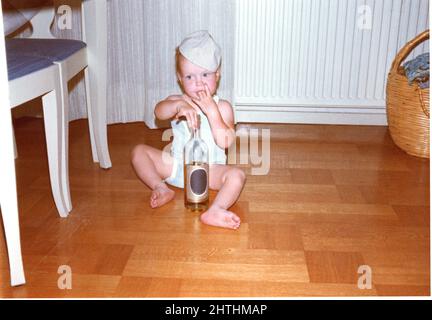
(71, 57)
(29, 77)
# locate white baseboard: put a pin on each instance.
(343, 115)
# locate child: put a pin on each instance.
(198, 71)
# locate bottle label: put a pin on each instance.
(197, 182)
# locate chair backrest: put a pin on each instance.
(41, 23)
(17, 13)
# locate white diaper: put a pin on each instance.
(176, 178)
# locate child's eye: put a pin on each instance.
(205, 75)
(188, 77)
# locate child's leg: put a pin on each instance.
(152, 167)
(229, 181)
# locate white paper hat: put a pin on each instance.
(201, 49)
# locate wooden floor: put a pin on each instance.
(336, 198)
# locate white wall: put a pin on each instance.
(291, 61)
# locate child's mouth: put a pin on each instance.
(197, 94)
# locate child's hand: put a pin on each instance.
(184, 109)
(206, 102)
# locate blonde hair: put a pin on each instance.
(178, 56)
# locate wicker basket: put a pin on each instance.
(408, 106)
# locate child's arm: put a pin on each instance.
(221, 118)
(175, 107)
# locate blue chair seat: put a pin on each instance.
(19, 65)
(52, 49)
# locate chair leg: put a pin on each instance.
(9, 210)
(9, 205)
(89, 114)
(53, 132)
(14, 144)
(64, 169)
(97, 125)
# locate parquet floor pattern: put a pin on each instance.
(335, 198)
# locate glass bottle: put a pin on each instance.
(196, 173)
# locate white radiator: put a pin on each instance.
(320, 61)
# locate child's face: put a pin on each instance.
(194, 78)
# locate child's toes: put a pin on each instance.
(232, 223)
(153, 199)
(235, 218)
(235, 225)
(154, 195)
(236, 222)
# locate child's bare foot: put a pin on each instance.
(218, 217)
(161, 195)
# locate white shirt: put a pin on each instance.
(182, 135)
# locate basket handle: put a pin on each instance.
(406, 50)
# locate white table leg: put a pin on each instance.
(94, 17)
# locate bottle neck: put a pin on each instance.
(196, 134)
